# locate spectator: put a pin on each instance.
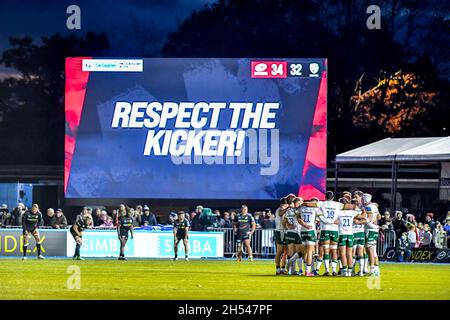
(232, 215)
(197, 224)
(48, 219)
(411, 219)
(419, 231)
(115, 215)
(96, 217)
(135, 216)
(267, 211)
(447, 230)
(399, 224)
(258, 221)
(106, 221)
(59, 221)
(148, 218)
(440, 237)
(429, 221)
(198, 210)
(412, 236)
(219, 220)
(268, 221)
(227, 223)
(84, 213)
(17, 214)
(385, 221)
(427, 236)
(403, 248)
(138, 212)
(172, 218)
(109, 222)
(5, 216)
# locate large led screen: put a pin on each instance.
(195, 128)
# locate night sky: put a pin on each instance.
(121, 20)
(126, 23)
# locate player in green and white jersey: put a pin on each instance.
(329, 233)
(359, 236)
(373, 215)
(293, 241)
(347, 195)
(319, 248)
(310, 211)
(358, 195)
(292, 223)
(346, 219)
(300, 248)
(280, 240)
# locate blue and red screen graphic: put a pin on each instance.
(195, 128)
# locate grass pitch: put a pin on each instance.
(209, 279)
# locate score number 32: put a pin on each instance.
(295, 69)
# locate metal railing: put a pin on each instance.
(386, 239)
(262, 243)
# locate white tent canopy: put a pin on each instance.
(396, 151)
(399, 149)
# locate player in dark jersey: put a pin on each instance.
(76, 230)
(181, 232)
(244, 226)
(31, 220)
(124, 227)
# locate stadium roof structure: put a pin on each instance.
(399, 150)
(396, 151)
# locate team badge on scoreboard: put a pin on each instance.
(314, 69)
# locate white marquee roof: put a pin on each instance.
(400, 149)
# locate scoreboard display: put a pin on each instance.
(283, 69)
(195, 128)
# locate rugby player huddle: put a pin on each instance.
(329, 232)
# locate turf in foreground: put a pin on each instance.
(200, 279)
